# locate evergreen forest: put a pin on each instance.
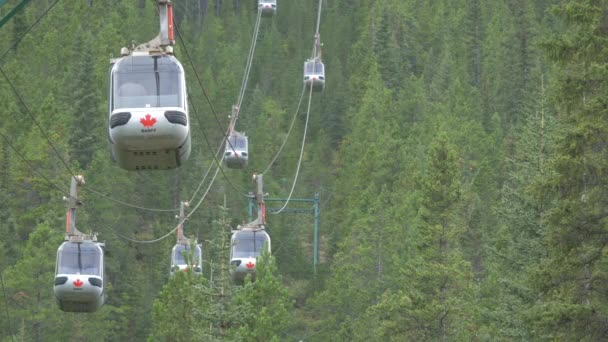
(456, 154)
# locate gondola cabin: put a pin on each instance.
(149, 127)
(79, 272)
(184, 257)
(314, 74)
(236, 154)
(246, 246)
(268, 7)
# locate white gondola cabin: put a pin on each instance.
(314, 74)
(149, 127)
(268, 7)
(246, 246)
(185, 257)
(236, 153)
(79, 272)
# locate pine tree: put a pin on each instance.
(265, 304)
(85, 124)
(570, 280)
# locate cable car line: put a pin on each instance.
(179, 35)
(247, 70)
(178, 225)
(208, 102)
(50, 143)
(16, 43)
(32, 166)
(35, 121)
(216, 154)
(21, 100)
(319, 16)
(293, 120)
(295, 178)
(51, 184)
(231, 154)
(46, 136)
(249, 61)
(219, 163)
(125, 203)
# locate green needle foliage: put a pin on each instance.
(458, 150)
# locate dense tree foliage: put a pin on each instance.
(458, 151)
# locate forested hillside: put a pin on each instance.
(458, 151)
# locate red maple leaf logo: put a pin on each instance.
(148, 121)
(250, 265)
(78, 283)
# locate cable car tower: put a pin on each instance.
(148, 125)
(79, 271)
(249, 240)
(185, 255)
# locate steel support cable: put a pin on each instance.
(48, 139)
(244, 82)
(210, 105)
(293, 120)
(50, 183)
(252, 47)
(126, 204)
(317, 33)
(20, 98)
(200, 83)
(319, 16)
(218, 162)
(295, 178)
(16, 43)
(178, 225)
(187, 53)
(8, 316)
(29, 164)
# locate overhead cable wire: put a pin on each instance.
(317, 43)
(243, 84)
(32, 167)
(212, 110)
(67, 167)
(51, 184)
(249, 61)
(245, 81)
(295, 178)
(293, 120)
(200, 83)
(319, 16)
(16, 43)
(218, 162)
(126, 203)
(178, 225)
(36, 121)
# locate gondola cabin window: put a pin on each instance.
(79, 258)
(180, 251)
(147, 82)
(249, 245)
(238, 142)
